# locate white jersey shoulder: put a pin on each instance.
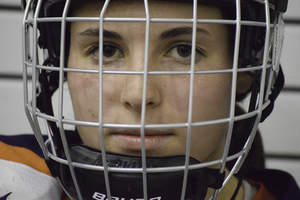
(19, 181)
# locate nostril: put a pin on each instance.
(150, 104)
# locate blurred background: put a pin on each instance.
(280, 132)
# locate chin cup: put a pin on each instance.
(166, 185)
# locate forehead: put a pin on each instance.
(159, 9)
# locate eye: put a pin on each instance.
(110, 52)
(182, 53)
(184, 50)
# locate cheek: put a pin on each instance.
(211, 97)
(85, 95)
(111, 91)
(211, 102)
(176, 92)
(180, 97)
(111, 88)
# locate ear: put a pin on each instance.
(244, 82)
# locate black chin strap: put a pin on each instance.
(160, 185)
(240, 182)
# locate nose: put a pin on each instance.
(132, 94)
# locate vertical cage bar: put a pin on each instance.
(60, 99)
(100, 117)
(262, 90)
(33, 116)
(191, 95)
(144, 99)
(260, 104)
(233, 96)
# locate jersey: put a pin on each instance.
(25, 175)
(273, 184)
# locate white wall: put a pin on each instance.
(281, 132)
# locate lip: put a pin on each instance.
(131, 139)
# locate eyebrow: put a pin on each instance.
(94, 32)
(175, 32)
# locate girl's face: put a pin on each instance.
(167, 99)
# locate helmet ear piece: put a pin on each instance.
(275, 90)
(281, 6)
(252, 39)
(50, 32)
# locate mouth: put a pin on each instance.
(131, 139)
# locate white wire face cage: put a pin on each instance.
(168, 109)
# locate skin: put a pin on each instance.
(167, 97)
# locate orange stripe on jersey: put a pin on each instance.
(23, 156)
(262, 192)
(27, 157)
